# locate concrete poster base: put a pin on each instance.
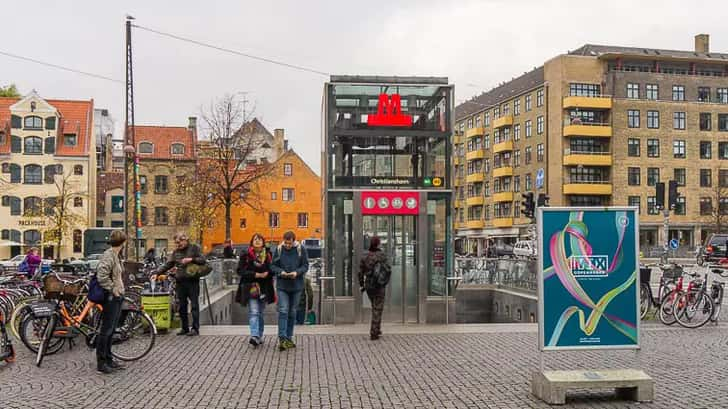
(634, 384)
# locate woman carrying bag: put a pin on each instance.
(256, 285)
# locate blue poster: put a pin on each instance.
(588, 278)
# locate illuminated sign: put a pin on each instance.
(389, 113)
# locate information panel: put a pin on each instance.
(588, 278)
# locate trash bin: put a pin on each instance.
(157, 305)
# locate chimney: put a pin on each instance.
(192, 123)
(285, 145)
(702, 43)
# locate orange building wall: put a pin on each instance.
(307, 199)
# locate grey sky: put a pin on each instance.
(477, 44)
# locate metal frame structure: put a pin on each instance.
(130, 141)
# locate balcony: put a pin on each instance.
(475, 201)
(596, 188)
(588, 129)
(503, 222)
(503, 197)
(599, 102)
(506, 120)
(503, 171)
(505, 146)
(475, 224)
(575, 158)
(475, 177)
(476, 154)
(474, 132)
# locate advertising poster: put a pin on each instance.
(588, 278)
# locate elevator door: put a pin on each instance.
(398, 237)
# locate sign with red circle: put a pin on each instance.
(390, 202)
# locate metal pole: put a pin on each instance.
(209, 303)
(131, 142)
(323, 294)
(666, 226)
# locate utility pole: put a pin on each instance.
(130, 152)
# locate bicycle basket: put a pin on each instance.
(673, 272)
(54, 288)
(645, 274)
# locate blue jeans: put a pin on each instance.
(287, 306)
(255, 317)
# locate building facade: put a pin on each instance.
(47, 152)
(598, 126)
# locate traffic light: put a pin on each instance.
(543, 200)
(527, 205)
(673, 194)
(660, 195)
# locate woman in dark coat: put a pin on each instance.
(256, 285)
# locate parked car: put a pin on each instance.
(713, 250)
(13, 263)
(500, 250)
(524, 248)
(93, 261)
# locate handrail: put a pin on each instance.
(584, 123)
(586, 182)
(573, 152)
(589, 96)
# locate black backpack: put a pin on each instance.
(380, 275)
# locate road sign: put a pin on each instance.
(674, 244)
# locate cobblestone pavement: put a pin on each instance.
(426, 370)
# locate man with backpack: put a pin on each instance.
(374, 274)
(290, 265)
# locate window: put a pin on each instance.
(723, 122)
(14, 170)
(470, 123)
(14, 203)
(143, 183)
(527, 100)
(680, 206)
(303, 220)
(539, 125)
(486, 189)
(33, 122)
(496, 112)
(517, 132)
(633, 147)
(680, 176)
(633, 91)
(678, 149)
(516, 158)
(539, 152)
(633, 176)
(706, 206)
(477, 121)
(653, 148)
(652, 205)
(703, 94)
(722, 150)
(486, 165)
(77, 202)
(31, 237)
(539, 98)
(273, 220)
(721, 95)
(653, 176)
(33, 175)
(16, 144)
(505, 109)
(33, 145)
(584, 90)
(161, 216)
(78, 170)
(652, 92)
(273, 195)
(177, 149)
(678, 120)
(528, 129)
(486, 141)
(69, 139)
(2, 137)
(32, 206)
(183, 216)
(653, 119)
(117, 204)
(287, 195)
(50, 172)
(635, 202)
(723, 177)
(517, 107)
(287, 169)
(243, 223)
(49, 206)
(160, 244)
(633, 118)
(50, 123)
(516, 183)
(706, 178)
(678, 93)
(486, 212)
(705, 121)
(705, 149)
(16, 122)
(486, 119)
(527, 159)
(50, 145)
(77, 241)
(160, 184)
(180, 184)
(145, 216)
(528, 185)
(146, 147)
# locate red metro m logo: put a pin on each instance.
(389, 112)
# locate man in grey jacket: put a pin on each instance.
(108, 274)
(290, 265)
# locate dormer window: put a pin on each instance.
(178, 149)
(69, 139)
(146, 147)
(33, 122)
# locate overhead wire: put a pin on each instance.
(61, 67)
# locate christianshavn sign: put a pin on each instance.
(389, 181)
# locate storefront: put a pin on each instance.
(386, 168)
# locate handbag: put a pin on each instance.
(96, 293)
(198, 270)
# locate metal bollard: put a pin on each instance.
(447, 296)
(206, 294)
(323, 294)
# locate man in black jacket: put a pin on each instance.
(187, 287)
(227, 251)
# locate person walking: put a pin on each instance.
(256, 285)
(108, 274)
(306, 304)
(290, 266)
(188, 288)
(227, 251)
(374, 273)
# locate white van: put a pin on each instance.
(525, 249)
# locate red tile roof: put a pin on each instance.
(163, 137)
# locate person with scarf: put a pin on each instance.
(256, 285)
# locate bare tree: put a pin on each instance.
(59, 210)
(233, 145)
(717, 214)
(201, 207)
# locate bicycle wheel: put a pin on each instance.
(666, 308)
(645, 300)
(22, 309)
(31, 334)
(45, 340)
(693, 310)
(134, 337)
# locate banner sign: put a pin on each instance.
(588, 278)
(390, 202)
(390, 181)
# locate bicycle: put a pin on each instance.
(7, 352)
(699, 305)
(670, 282)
